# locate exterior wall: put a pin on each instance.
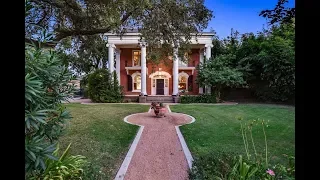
(165, 67)
(126, 58)
(196, 60)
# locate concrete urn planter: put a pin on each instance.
(159, 109)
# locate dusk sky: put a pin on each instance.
(241, 15)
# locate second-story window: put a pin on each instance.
(184, 62)
(136, 58)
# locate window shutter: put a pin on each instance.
(190, 82)
(129, 83)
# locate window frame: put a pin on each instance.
(139, 51)
(133, 81)
(183, 74)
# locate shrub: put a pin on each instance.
(46, 85)
(104, 89)
(223, 165)
(67, 167)
(203, 98)
(84, 86)
(214, 165)
(219, 74)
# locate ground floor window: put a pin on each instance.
(136, 83)
(182, 83)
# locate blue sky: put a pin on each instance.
(241, 15)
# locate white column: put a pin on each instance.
(143, 46)
(111, 57)
(175, 71)
(201, 51)
(118, 52)
(208, 56)
(208, 51)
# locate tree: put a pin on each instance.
(218, 74)
(280, 14)
(161, 23)
(86, 55)
(268, 60)
(218, 47)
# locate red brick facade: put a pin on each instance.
(126, 61)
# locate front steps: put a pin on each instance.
(163, 99)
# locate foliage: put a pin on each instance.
(242, 170)
(217, 73)
(268, 62)
(86, 53)
(286, 171)
(102, 87)
(78, 26)
(84, 86)
(67, 167)
(279, 13)
(229, 167)
(203, 98)
(46, 85)
(212, 166)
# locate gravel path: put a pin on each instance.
(159, 153)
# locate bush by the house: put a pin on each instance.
(203, 98)
(218, 73)
(103, 88)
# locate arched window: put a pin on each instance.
(136, 82)
(183, 81)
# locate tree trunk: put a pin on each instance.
(218, 93)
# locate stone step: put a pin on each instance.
(160, 101)
(164, 99)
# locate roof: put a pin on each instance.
(135, 32)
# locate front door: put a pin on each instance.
(160, 87)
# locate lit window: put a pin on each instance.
(137, 82)
(136, 58)
(182, 83)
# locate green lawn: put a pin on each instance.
(217, 129)
(99, 133)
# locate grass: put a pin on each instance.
(217, 129)
(99, 133)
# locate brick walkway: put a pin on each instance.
(159, 154)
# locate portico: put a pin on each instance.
(127, 55)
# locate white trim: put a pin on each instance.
(153, 77)
(125, 164)
(184, 145)
(118, 54)
(133, 68)
(133, 76)
(162, 73)
(187, 68)
(134, 39)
